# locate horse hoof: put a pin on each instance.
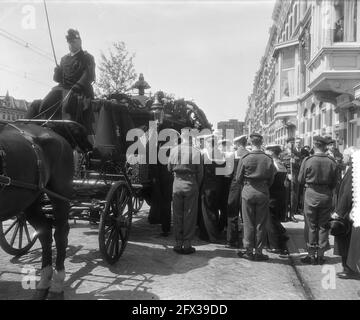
(56, 296)
(40, 294)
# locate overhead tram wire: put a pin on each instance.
(20, 75)
(26, 44)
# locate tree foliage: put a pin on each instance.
(117, 71)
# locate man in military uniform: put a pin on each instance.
(74, 75)
(292, 158)
(256, 171)
(234, 199)
(319, 174)
(185, 162)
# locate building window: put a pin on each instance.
(290, 27)
(287, 72)
(345, 20)
(313, 118)
(323, 118)
(295, 16)
(306, 121)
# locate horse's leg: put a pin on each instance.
(43, 227)
(61, 214)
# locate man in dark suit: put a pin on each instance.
(343, 209)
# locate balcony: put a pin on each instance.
(335, 71)
(285, 109)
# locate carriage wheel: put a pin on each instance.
(115, 222)
(137, 203)
(17, 236)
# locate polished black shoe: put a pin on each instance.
(348, 275)
(178, 249)
(293, 219)
(309, 260)
(188, 250)
(246, 255)
(284, 253)
(261, 257)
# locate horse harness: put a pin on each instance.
(6, 181)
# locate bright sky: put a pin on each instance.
(207, 51)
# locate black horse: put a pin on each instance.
(37, 159)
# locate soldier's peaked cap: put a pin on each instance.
(274, 147)
(320, 139)
(72, 34)
(329, 140)
(256, 135)
(240, 138)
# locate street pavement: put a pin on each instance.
(150, 269)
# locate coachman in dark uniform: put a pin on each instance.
(256, 171)
(319, 175)
(74, 75)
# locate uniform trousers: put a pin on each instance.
(255, 212)
(233, 209)
(185, 207)
(317, 210)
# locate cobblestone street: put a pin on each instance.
(149, 269)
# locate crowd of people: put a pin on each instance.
(248, 190)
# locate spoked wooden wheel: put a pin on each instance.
(115, 222)
(17, 236)
(137, 203)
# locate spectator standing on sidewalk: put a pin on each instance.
(256, 171)
(276, 233)
(185, 162)
(319, 174)
(234, 224)
(341, 217)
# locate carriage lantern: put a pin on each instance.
(157, 110)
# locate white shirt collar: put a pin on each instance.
(72, 54)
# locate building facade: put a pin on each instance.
(232, 124)
(308, 82)
(12, 109)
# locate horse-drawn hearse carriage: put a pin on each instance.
(106, 189)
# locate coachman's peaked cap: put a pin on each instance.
(72, 34)
(240, 138)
